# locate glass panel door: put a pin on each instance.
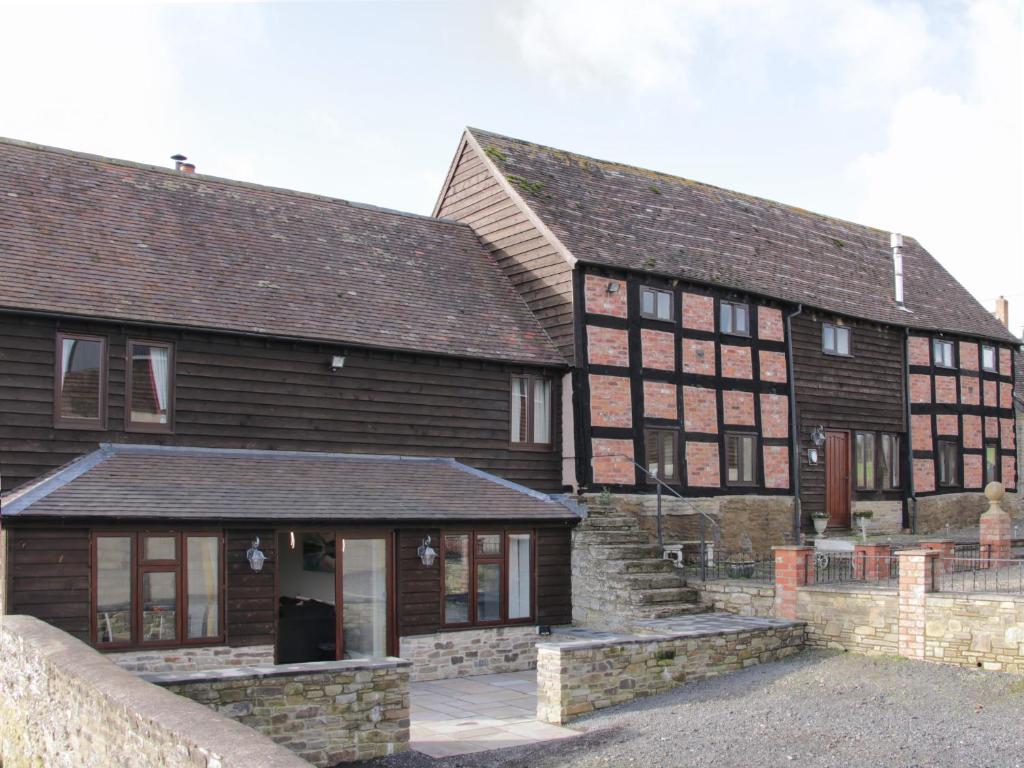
(364, 598)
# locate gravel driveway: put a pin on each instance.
(815, 709)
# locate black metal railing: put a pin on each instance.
(860, 568)
(970, 556)
(979, 574)
(717, 565)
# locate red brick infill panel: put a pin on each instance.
(972, 471)
(991, 428)
(698, 312)
(736, 362)
(1005, 395)
(945, 389)
(794, 567)
(970, 390)
(1008, 438)
(607, 346)
(774, 415)
(599, 301)
(919, 351)
(921, 425)
(610, 403)
(1009, 472)
(991, 393)
(776, 466)
(659, 400)
(700, 410)
(612, 464)
(916, 581)
(1005, 362)
(699, 357)
(772, 365)
(924, 475)
(947, 424)
(738, 407)
(920, 388)
(702, 464)
(968, 356)
(971, 430)
(659, 349)
(871, 561)
(769, 324)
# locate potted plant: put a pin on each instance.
(820, 519)
(862, 516)
(740, 565)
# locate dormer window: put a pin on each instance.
(734, 318)
(655, 304)
(942, 353)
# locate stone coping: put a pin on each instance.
(275, 670)
(849, 586)
(660, 630)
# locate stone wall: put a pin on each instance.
(63, 705)
(850, 618)
(958, 510)
(975, 631)
(326, 712)
(886, 515)
(194, 659)
(766, 520)
(744, 598)
(577, 677)
(459, 653)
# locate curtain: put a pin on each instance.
(158, 368)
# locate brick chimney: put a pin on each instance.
(181, 165)
(1002, 312)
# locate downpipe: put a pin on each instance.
(794, 425)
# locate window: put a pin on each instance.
(734, 318)
(655, 304)
(80, 393)
(474, 569)
(942, 353)
(149, 386)
(949, 460)
(864, 459)
(991, 463)
(988, 358)
(889, 464)
(660, 445)
(740, 459)
(157, 589)
(531, 411)
(835, 339)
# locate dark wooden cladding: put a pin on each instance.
(251, 608)
(419, 587)
(554, 576)
(237, 392)
(49, 577)
(863, 391)
(537, 270)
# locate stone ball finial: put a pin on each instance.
(994, 491)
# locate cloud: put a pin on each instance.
(951, 168)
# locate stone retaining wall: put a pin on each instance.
(325, 711)
(63, 705)
(886, 515)
(850, 618)
(577, 677)
(739, 596)
(975, 631)
(460, 653)
(958, 510)
(194, 659)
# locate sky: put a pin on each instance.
(905, 115)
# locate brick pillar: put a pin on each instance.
(871, 561)
(916, 581)
(793, 568)
(946, 549)
(995, 526)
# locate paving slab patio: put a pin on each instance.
(474, 714)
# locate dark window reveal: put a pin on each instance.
(80, 393)
(942, 353)
(740, 459)
(531, 411)
(150, 386)
(734, 318)
(474, 567)
(991, 463)
(864, 460)
(988, 358)
(948, 461)
(655, 304)
(660, 445)
(835, 339)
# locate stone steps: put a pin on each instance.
(654, 580)
(615, 536)
(626, 551)
(640, 566)
(617, 522)
(663, 596)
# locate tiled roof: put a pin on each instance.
(619, 216)
(90, 236)
(146, 481)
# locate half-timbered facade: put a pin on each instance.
(735, 346)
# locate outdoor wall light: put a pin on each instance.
(812, 456)
(291, 539)
(818, 435)
(255, 557)
(426, 552)
(613, 288)
(337, 362)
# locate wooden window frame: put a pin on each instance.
(835, 331)
(502, 559)
(995, 358)
(952, 353)
(875, 449)
(948, 482)
(657, 291)
(129, 362)
(733, 306)
(531, 445)
(64, 422)
(740, 483)
(997, 465)
(889, 481)
(139, 567)
(659, 434)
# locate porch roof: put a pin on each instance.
(146, 481)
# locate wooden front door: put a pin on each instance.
(837, 479)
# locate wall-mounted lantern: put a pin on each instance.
(426, 553)
(337, 362)
(818, 438)
(255, 557)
